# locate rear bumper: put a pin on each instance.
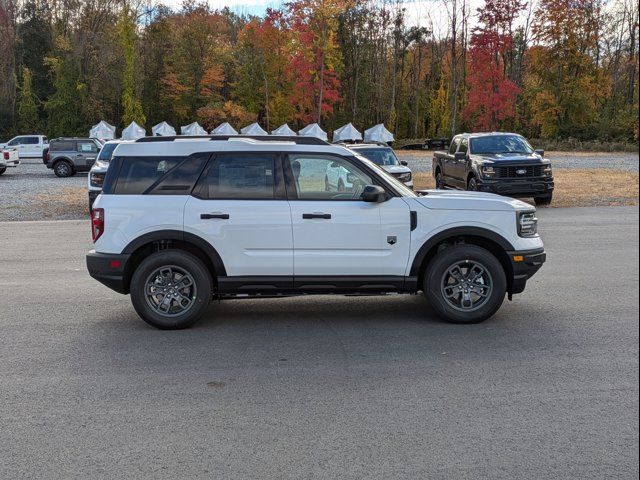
(110, 269)
(9, 163)
(524, 265)
(517, 188)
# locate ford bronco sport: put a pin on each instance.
(182, 220)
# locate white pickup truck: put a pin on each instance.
(28, 146)
(8, 158)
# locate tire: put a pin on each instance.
(439, 281)
(472, 184)
(153, 272)
(543, 200)
(2, 170)
(439, 181)
(63, 169)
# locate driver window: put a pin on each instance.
(454, 145)
(324, 177)
(464, 146)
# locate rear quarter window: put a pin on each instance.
(63, 146)
(137, 174)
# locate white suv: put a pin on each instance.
(183, 220)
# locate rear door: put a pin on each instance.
(239, 206)
(86, 154)
(335, 233)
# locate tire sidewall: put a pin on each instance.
(543, 200)
(438, 266)
(188, 262)
(472, 185)
(63, 174)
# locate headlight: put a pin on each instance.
(97, 180)
(527, 224)
(488, 171)
(404, 177)
(546, 170)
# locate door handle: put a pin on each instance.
(308, 216)
(209, 216)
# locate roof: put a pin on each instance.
(182, 146)
(485, 134)
(357, 146)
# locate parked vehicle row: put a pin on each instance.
(182, 221)
(502, 163)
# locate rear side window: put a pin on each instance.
(137, 174)
(87, 147)
(181, 179)
(63, 146)
(30, 141)
(238, 176)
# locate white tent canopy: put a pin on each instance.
(378, 133)
(346, 133)
(283, 130)
(313, 130)
(192, 129)
(224, 129)
(133, 132)
(102, 131)
(163, 129)
(253, 129)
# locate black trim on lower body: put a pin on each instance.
(524, 270)
(517, 188)
(93, 194)
(267, 285)
(109, 269)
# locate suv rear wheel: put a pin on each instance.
(171, 289)
(63, 169)
(465, 284)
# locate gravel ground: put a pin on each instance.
(31, 187)
(420, 161)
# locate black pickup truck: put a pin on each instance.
(502, 163)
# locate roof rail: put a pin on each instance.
(265, 138)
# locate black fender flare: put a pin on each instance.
(453, 233)
(195, 240)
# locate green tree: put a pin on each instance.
(126, 28)
(28, 120)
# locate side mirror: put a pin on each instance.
(539, 152)
(403, 163)
(373, 194)
(460, 156)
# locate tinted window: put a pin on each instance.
(107, 151)
(181, 179)
(454, 145)
(464, 146)
(323, 177)
(379, 156)
(238, 176)
(30, 141)
(137, 174)
(495, 144)
(87, 147)
(63, 146)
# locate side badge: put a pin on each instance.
(392, 239)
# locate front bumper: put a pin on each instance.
(524, 265)
(110, 269)
(517, 187)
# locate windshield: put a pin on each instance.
(107, 152)
(379, 156)
(496, 144)
(395, 183)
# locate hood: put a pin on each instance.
(396, 168)
(512, 158)
(462, 200)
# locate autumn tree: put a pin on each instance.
(126, 28)
(492, 96)
(28, 120)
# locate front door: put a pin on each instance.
(239, 206)
(335, 233)
(86, 153)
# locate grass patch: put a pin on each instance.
(66, 202)
(579, 187)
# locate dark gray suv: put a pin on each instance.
(66, 156)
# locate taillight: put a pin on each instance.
(97, 223)
(5, 155)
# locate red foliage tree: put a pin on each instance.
(492, 95)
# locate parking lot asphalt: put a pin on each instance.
(323, 387)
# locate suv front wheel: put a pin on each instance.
(171, 289)
(465, 284)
